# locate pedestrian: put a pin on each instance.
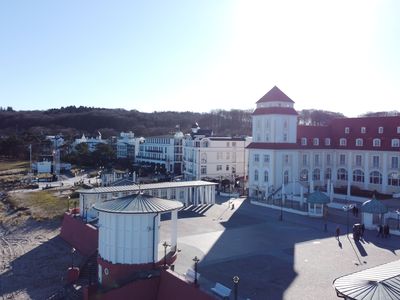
(362, 229)
(385, 231)
(354, 210)
(337, 232)
(380, 231)
(388, 230)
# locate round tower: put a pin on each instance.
(129, 235)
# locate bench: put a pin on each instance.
(189, 275)
(221, 290)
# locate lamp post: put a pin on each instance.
(235, 286)
(165, 244)
(72, 257)
(196, 261)
(281, 214)
(347, 208)
(398, 219)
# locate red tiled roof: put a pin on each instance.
(273, 146)
(275, 94)
(275, 110)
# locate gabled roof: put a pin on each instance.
(275, 94)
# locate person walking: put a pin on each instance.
(337, 231)
(380, 231)
(362, 229)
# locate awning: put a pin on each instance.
(381, 282)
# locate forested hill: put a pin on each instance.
(71, 121)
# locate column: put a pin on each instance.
(213, 194)
(384, 173)
(174, 230)
(366, 170)
(168, 193)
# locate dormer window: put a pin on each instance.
(363, 130)
(316, 141)
(359, 142)
(347, 130)
(395, 143)
(304, 141)
(327, 142)
(376, 142)
(398, 129)
(343, 142)
(380, 130)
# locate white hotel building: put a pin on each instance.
(361, 152)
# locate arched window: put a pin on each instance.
(394, 179)
(204, 158)
(205, 144)
(304, 175)
(328, 173)
(316, 174)
(286, 177)
(358, 176)
(375, 177)
(342, 174)
(265, 176)
(376, 142)
(255, 175)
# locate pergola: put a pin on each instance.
(316, 201)
(371, 207)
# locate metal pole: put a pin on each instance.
(196, 260)
(165, 244)
(236, 283)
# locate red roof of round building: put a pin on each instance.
(275, 94)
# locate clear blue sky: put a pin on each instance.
(200, 55)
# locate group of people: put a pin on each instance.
(383, 231)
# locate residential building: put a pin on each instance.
(361, 152)
(127, 146)
(92, 142)
(163, 152)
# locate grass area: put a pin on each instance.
(6, 165)
(41, 204)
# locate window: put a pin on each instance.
(343, 142)
(375, 161)
(286, 177)
(305, 159)
(267, 137)
(204, 158)
(316, 141)
(205, 144)
(395, 143)
(233, 144)
(304, 175)
(227, 144)
(228, 155)
(203, 170)
(375, 177)
(304, 141)
(256, 158)
(285, 124)
(255, 175)
(358, 176)
(219, 167)
(398, 129)
(380, 130)
(342, 174)
(265, 176)
(227, 168)
(358, 160)
(285, 137)
(359, 142)
(219, 155)
(328, 159)
(342, 159)
(316, 159)
(286, 159)
(233, 169)
(347, 130)
(327, 141)
(376, 142)
(316, 174)
(266, 158)
(328, 173)
(363, 130)
(395, 162)
(393, 179)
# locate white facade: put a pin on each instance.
(165, 151)
(215, 157)
(127, 238)
(358, 152)
(91, 142)
(127, 145)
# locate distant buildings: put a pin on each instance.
(92, 142)
(359, 152)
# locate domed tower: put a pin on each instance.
(275, 119)
(272, 157)
(129, 235)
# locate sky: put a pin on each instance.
(200, 55)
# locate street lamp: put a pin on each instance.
(196, 261)
(235, 285)
(398, 220)
(281, 214)
(165, 244)
(347, 208)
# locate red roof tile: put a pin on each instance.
(275, 94)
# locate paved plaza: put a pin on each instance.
(289, 259)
